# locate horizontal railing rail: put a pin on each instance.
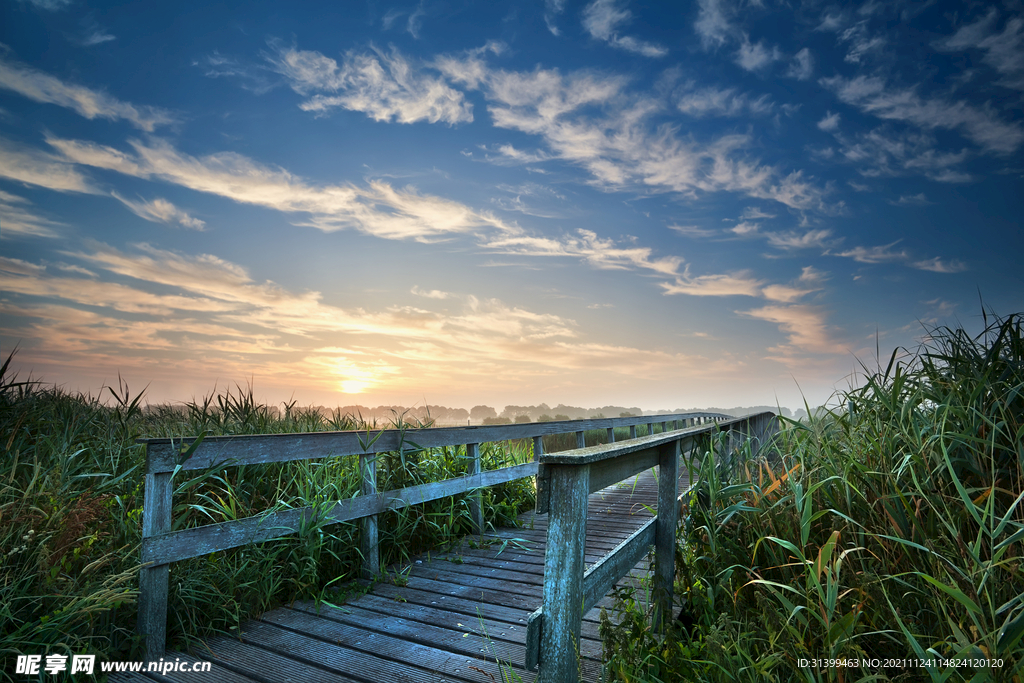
(564, 481)
(161, 546)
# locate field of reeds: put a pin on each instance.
(71, 497)
(880, 540)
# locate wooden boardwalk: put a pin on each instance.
(461, 615)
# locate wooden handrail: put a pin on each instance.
(161, 546)
(564, 482)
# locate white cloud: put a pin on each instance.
(1004, 51)
(429, 294)
(553, 8)
(802, 66)
(878, 254)
(745, 229)
(37, 168)
(755, 56)
(41, 87)
(982, 125)
(713, 22)
(693, 231)
(726, 284)
(161, 211)
(861, 43)
(712, 101)
(911, 200)
(384, 87)
(51, 5)
(377, 208)
(937, 265)
(805, 326)
(830, 123)
(251, 77)
(602, 19)
(754, 213)
(812, 239)
(17, 219)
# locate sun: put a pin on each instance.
(354, 386)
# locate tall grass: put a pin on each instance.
(885, 531)
(71, 493)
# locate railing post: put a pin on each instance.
(632, 431)
(368, 542)
(650, 428)
(581, 441)
(611, 435)
(665, 534)
(155, 580)
(563, 574)
(664, 427)
(476, 510)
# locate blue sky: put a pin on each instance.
(653, 204)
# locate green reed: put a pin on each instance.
(889, 529)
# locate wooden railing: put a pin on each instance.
(564, 482)
(164, 457)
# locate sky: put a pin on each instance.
(716, 203)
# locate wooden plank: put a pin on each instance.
(369, 541)
(268, 666)
(605, 473)
(225, 451)
(592, 454)
(198, 541)
(665, 534)
(476, 511)
(563, 574)
(154, 579)
(600, 578)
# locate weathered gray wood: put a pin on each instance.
(538, 446)
(600, 578)
(665, 534)
(198, 541)
(611, 435)
(592, 454)
(154, 578)
(368, 533)
(604, 473)
(632, 431)
(476, 510)
(224, 451)
(534, 625)
(563, 574)
(581, 439)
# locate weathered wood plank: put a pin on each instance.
(563, 573)
(224, 451)
(665, 533)
(198, 541)
(154, 579)
(600, 578)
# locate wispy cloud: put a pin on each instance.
(385, 87)
(620, 147)
(712, 101)
(756, 56)
(694, 231)
(804, 326)
(429, 293)
(811, 239)
(161, 211)
(802, 65)
(602, 20)
(911, 200)
(872, 95)
(938, 265)
(860, 41)
(1003, 51)
(376, 208)
(830, 123)
(552, 9)
(727, 284)
(251, 77)
(42, 87)
(877, 254)
(17, 218)
(34, 167)
(713, 23)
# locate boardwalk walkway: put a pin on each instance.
(461, 616)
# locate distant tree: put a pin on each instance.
(559, 418)
(497, 420)
(480, 413)
(545, 418)
(627, 414)
(522, 418)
